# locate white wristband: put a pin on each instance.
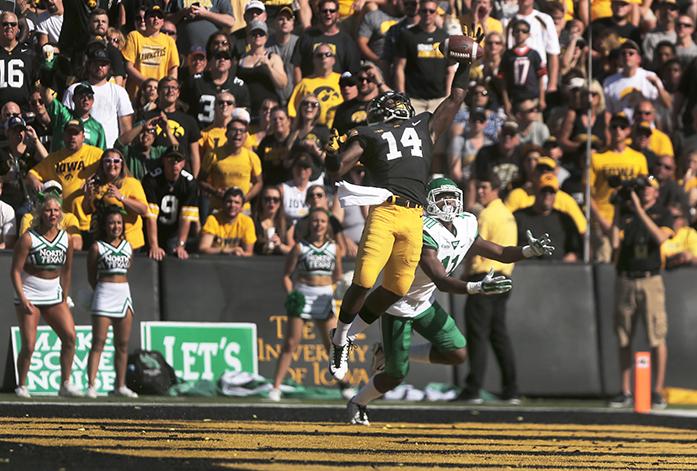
(474, 287)
(528, 252)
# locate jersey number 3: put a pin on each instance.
(408, 140)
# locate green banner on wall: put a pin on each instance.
(203, 350)
(44, 375)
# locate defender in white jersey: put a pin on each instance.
(108, 262)
(449, 234)
(41, 272)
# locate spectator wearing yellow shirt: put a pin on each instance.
(113, 186)
(323, 83)
(214, 136)
(229, 231)
(689, 180)
(535, 165)
(681, 249)
(71, 167)
(619, 162)
(232, 165)
(659, 142)
(150, 54)
(69, 223)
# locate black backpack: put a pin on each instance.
(149, 373)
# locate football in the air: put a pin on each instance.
(461, 48)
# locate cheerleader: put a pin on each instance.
(108, 261)
(40, 273)
(317, 264)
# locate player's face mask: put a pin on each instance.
(445, 203)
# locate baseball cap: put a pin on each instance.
(241, 115)
(197, 51)
(83, 88)
(74, 126)
(255, 4)
(98, 54)
(52, 185)
(653, 182)
(15, 122)
(548, 180)
(257, 25)
(173, 154)
(547, 162)
(619, 118)
(576, 83)
(347, 80)
(286, 10)
(629, 44)
(154, 10)
(302, 161)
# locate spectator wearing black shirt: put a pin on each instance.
(273, 149)
(77, 17)
(619, 22)
(500, 158)
(172, 195)
(16, 63)
(411, 19)
(199, 93)
(352, 113)
(522, 70)
(255, 10)
(640, 292)
(542, 218)
(182, 126)
(420, 68)
(327, 31)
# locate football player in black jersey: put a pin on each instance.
(396, 150)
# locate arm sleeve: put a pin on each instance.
(130, 49)
(249, 236)
(211, 226)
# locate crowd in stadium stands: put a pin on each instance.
(207, 120)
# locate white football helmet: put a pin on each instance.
(444, 198)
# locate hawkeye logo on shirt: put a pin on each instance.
(428, 51)
(326, 94)
(175, 128)
(359, 116)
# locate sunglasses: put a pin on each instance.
(225, 102)
(310, 104)
(324, 54)
(198, 58)
(328, 11)
(429, 11)
(38, 101)
(222, 57)
(272, 199)
(234, 131)
(683, 25)
(520, 30)
(169, 32)
(257, 32)
(618, 126)
(644, 113)
(363, 79)
(628, 52)
(534, 109)
(220, 43)
(10, 24)
(666, 166)
(494, 43)
(316, 195)
(140, 17)
(112, 161)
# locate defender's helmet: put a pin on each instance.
(390, 105)
(444, 198)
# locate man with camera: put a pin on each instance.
(639, 228)
(608, 169)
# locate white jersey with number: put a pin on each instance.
(451, 248)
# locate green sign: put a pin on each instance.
(44, 375)
(203, 350)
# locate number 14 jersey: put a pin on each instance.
(397, 155)
(451, 249)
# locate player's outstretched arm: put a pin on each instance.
(464, 51)
(510, 254)
(434, 269)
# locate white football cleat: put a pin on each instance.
(357, 414)
(22, 391)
